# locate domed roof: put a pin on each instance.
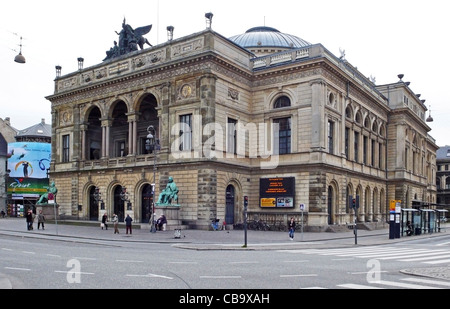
(268, 37)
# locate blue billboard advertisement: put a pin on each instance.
(28, 167)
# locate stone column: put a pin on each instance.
(318, 133)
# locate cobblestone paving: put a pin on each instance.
(431, 272)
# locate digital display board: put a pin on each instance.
(277, 192)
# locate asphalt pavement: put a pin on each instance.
(91, 232)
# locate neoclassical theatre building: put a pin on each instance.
(264, 114)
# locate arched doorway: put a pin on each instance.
(119, 204)
(93, 205)
(229, 209)
(147, 202)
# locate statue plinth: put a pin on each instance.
(48, 210)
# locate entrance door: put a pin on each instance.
(229, 210)
(330, 205)
(119, 204)
(93, 206)
(147, 200)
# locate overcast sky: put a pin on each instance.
(381, 38)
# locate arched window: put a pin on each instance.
(282, 101)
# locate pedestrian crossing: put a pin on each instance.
(401, 254)
(406, 283)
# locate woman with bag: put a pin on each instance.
(104, 221)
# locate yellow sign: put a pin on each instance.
(393, 205)
(268, 202)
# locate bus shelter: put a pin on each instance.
(428, 217)
(411, 222)
(441, 219)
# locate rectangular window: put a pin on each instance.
(331, 137)
(356, 147)
(365, 152)
(66, 148)
(186, 132)
(231, 136)
(347, 143)
(282, 138)
(373, 153)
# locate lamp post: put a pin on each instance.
(152, 144)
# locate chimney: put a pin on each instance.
(8, 121)
(43, 121)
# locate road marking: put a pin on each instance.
(54, 255)
(86, 259)
(403, 285)
(151, 276)
(28, 252)
(359, 286)
(190, 263)
(425, 258)
(296, 276)
(300, 261)
(7, 249)
(243, 262)
(128, 261)
(14, 268)
(73, 272)
(438, 262)
(221, 277)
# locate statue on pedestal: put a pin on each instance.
(129, 40)
(169, 194)
(50, 195)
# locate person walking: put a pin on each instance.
(128, 225)
(115, 221)
(105, 221)
(29, 218)
(41, 220)
(291, 228)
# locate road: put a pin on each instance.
(49, 264)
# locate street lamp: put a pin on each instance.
(124, 197)
(98, 197)
(152, 144)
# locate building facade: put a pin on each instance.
(443, 177)
(265, 115)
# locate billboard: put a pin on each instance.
(28, 167)
(277, 192)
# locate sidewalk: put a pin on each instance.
(204, 240)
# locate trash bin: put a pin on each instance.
(417, 231)
(177, 233)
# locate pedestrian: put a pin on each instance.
(161, 222)
(128, 221)
(115, 221)
(3, 214)
(105, 221)
(291, 228)
(29, 218)
(41, 220)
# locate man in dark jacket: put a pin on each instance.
(128, 225)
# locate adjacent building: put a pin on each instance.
(298, 130)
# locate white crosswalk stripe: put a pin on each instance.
(426, 256)
(406, 283)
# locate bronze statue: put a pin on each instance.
(52, 190)
(169, 194)
(129, 40)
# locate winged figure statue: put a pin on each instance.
(129, 40)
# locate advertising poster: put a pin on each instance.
(28, 167)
